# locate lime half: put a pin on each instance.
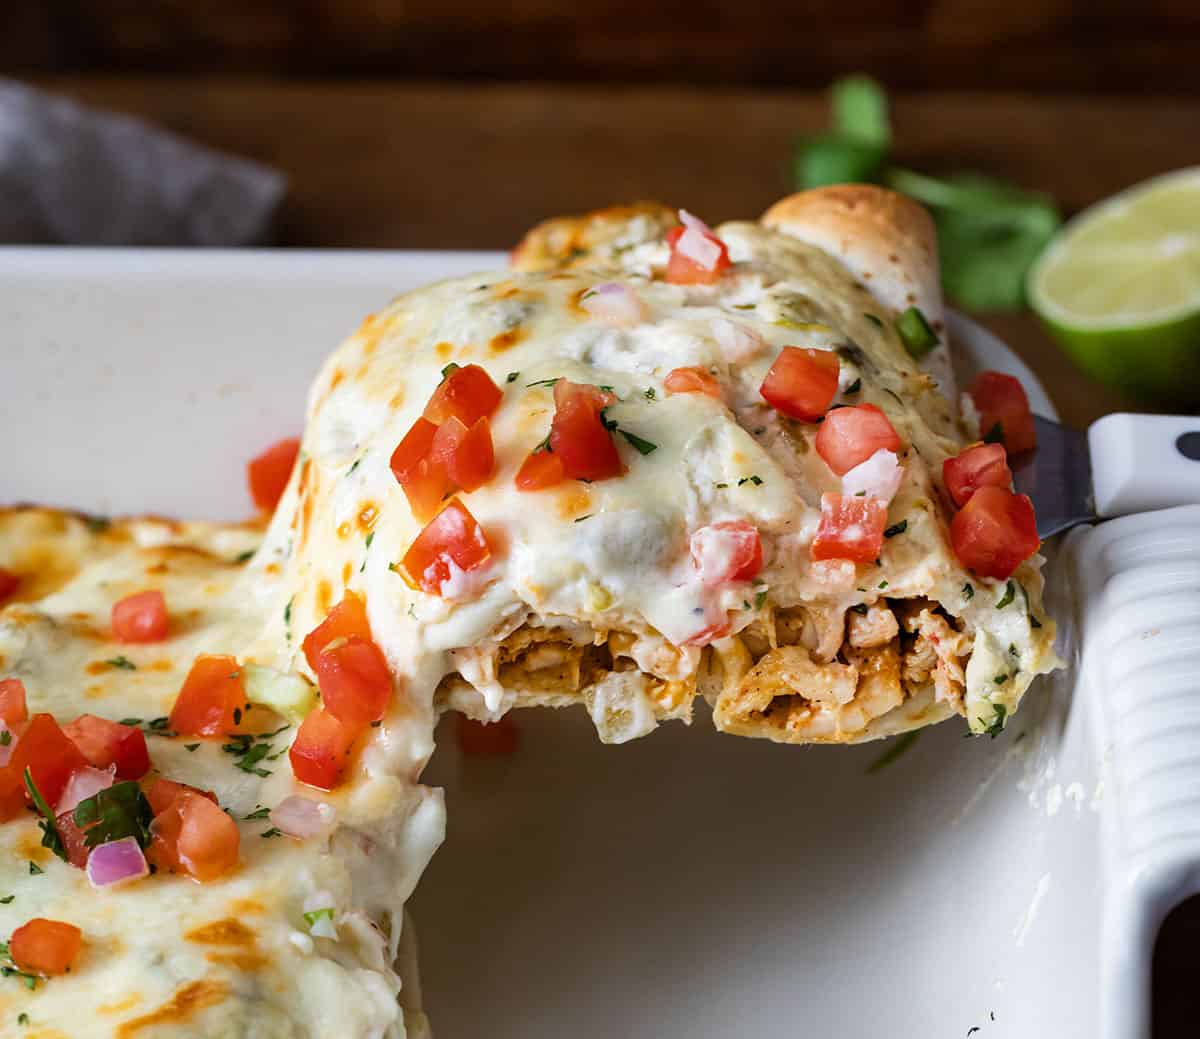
(1119, 288)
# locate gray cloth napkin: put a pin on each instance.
(70, 174)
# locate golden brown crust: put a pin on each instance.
(566, 241)
(884, 239)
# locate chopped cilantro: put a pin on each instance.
(996, 725)
(48, 823)
(896, 528)
(451, 367)
(6, 900)
(1001, 678)
(122, 662)
(649, 393)
(760, 599)
(110, 815)
(580, 519)
(854, 387)
(287, 620)
(191, 747)
(1033, 621)
(882, 585)
(544, 382)
(35, 869)
(245, 557)
(354, 465)
(512, 376)
(97, 524)
(754, 479)
(274, 831)
(131, 721)
(5, 738)
(1010, 593)
(22, 1018)
(859, 608)
(876, 321)
(894, 395)
(643, 447)
(721, 486)
(968, 591)
(899, 747)
(312, 917)
(995, 435)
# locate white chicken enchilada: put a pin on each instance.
(651, 462)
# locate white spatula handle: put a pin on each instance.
(1144, 462)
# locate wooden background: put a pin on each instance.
(1105, 46)
(454, 123)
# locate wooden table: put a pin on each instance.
(384, 165)
(381, 165)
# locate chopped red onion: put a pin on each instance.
(698, 242)
(84, 783)
(737, 342)
(302, 817)
(878, 477)
(615, 303)
(116, 863)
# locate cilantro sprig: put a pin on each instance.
(989, 231)
(113, 814)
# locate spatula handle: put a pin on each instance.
(1144, 462)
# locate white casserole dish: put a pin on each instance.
(681, 885)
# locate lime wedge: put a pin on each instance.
(1119, 289)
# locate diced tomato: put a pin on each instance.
(802, 382)
(540, 470)
(268, 473)
(12, 793)
(8, 584)
(425, 484)
(994, 532)
(12, 702)
(709, 633)
(984, 465)
(465, 455)
(321, 750)
(50, 756)
(105, 743)
(486, 738)
(850, 528)
(348, 619)
(355, 682)
(194, 836)
(699, 261)
(578, 435)
(452, 541)
(141, 617)
(161, 793)
(467, 394)
(1004, 412)
(45, 947)
(727, 551)
(73, 839)
(212, 700)
(849, 436)
(692, 380)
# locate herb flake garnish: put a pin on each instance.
(34, 869)
(968, 591)
(259, 813)
(896, 528)
(580, 519)
(900, 746)
(274, 831)
(512, 376)
(122, 662)
(649, 393)
(996, 725)
(854, 387)
(48, 824)
(643, 447)
(451, 367)
(245, 557)
(995, 435)
(110, 815)
(7, 900)
(859, 608)
(544, 382)
(754, 479)
(760, 599)
(1010, 593)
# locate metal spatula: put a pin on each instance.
(1122, 464)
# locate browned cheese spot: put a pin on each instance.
(188, 1001)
